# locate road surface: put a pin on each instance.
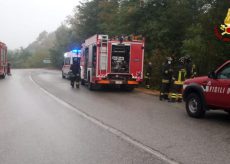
(44, 120)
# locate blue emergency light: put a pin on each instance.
(76, 51)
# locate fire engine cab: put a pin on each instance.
(115, 61)
(68, 60)
(3, 60)
(208, 92)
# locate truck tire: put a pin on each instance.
(82, 82)
(128, 88)
(194, 106)
(3, 76)
(89, 84)
(93, 87)
(228, 111)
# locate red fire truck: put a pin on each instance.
(115, 61)
(3, 60)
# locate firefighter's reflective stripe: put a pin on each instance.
(165, 81)
(179, 96)
(181, 75)
(172, 95)
(178, 82)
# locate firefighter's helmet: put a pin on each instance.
(76, 60)
(182, 60)
(169, 58)
(188, 58)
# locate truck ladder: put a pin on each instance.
(103, 53)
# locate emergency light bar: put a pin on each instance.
(128, 37)
(76, 51)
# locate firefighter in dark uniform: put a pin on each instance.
(76, 69)
(194, 71)
(191, 70)
(8, 69)
(178, 81)
(167, 72)
(148, 75)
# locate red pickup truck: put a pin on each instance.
(208, 92)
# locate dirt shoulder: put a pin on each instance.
(148, 91)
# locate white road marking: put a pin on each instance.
(112, 130)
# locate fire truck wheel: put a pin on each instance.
(3, 76)
(227, 111)
(93, 87)
(194, 106)
(82, 82)
(90, 85)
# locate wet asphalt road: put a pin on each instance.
(35, 127)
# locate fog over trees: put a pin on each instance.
(171, 27)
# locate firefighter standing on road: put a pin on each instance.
(148, 75)
(75, 68)
(167, 72)
(8, 69)
(191, 70)
(178, 81)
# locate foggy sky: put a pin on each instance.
(22, 20)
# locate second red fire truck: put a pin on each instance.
(3, 60)
(115, 61)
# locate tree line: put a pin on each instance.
(170, 27)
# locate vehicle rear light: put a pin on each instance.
(103, 82)
(133, 82)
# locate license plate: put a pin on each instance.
(118, 82)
